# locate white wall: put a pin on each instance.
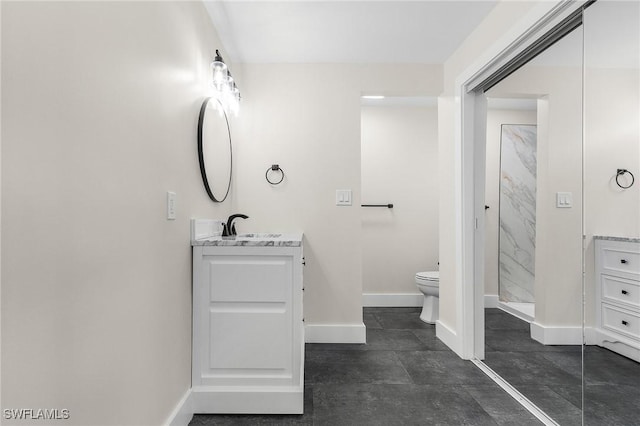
(611, 142)
(306, 118)
(495, 119)
(400, 166)
(99, 111)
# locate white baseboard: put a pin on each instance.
(183, 412)
(556, 335)
(395, 300)
(335, 333)
(248, 399)
(491, 300)
(449, 338)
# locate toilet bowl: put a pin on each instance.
(429, 284)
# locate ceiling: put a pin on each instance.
(346, 31)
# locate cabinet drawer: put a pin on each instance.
(621, 260)
(620, 290)
(620, 321)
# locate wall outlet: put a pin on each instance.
(171, 205)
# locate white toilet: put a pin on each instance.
(429, 284)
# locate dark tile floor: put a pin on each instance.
(403, 376)
(550, 376)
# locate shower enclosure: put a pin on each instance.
(517, 215)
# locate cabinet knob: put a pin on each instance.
(623, 260)
(624, 322)
(625, 292)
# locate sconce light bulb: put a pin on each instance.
(219, 72)
(225, 87)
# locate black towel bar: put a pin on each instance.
(389, 206)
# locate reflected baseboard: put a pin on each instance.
(549, 335)
(491, 300)
(524, 311)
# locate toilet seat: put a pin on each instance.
(430, 278)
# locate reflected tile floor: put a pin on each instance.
(550, 376)
(404, 375)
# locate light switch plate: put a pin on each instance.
(564, 200)
(171, 205)
(343, 197)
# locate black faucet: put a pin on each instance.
(229, 229)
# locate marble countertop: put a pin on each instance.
(252, 240)
(610, 238)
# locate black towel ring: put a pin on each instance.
(274, 168)
(621, 172)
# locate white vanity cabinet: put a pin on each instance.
(618, 295)
(248, 334)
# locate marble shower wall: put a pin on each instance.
(517, 213)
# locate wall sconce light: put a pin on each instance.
(224, 87)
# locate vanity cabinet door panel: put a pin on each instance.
(260, 340)
(250, 279)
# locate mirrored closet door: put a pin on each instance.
(533, 253)
(562, 253)
(612, 213)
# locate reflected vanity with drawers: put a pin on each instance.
(617, 262)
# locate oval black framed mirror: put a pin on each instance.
(215, 153)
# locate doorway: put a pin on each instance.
(399, 183)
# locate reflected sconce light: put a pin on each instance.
(224, 86)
